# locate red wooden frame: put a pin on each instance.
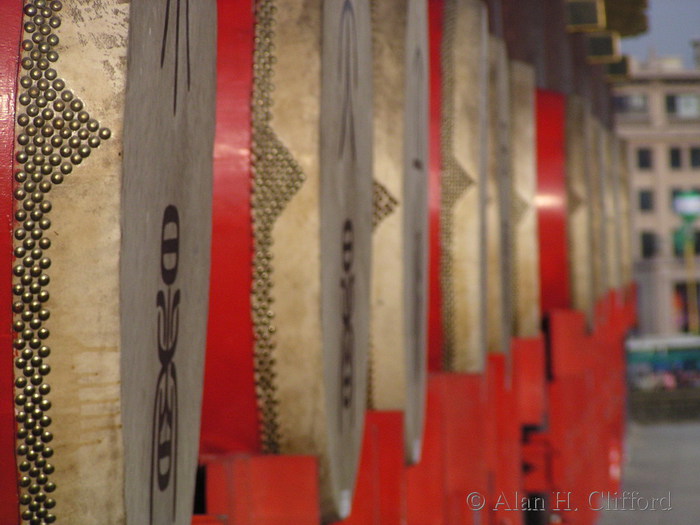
(11, 16)
(551, 200)
(230, 411)
(435, 337)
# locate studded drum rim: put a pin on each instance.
(54, 134)
(276, 178)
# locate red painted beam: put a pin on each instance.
(230, 412)
(11, 16)
(435, 337)
(551, 200)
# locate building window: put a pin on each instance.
(674, 158)
(646, 200)
(683, 106)
(644, 158)
(675, 192)
(631, 104)
(648, 244)
(695, 157)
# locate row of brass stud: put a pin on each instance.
(276, 178)
(55, 134)
(450, 186)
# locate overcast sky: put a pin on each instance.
(672, 24)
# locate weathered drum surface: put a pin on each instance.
(499, 249)
(464, 60)
(611, 191)
(523, 214)
(579, 213)
(312, 223)
(113, 148)
(625, 216)
(596, 150)
(400, 251)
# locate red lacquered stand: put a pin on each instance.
(581, 451)
(529, 380)
(573, 414)
(208, 520)
(453, 464)
(506, 466)
(380, 490)
(262, 490)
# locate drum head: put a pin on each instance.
(400, 250)
(346, 229)
(415, 225)
(164, 264)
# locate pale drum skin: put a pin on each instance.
(468, 153)
(526, 278)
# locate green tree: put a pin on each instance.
(628, 17)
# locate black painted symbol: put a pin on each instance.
(418, 180)
(177, 25)
(347, 344)
(165, 409)
(348, 78)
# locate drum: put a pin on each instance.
(625, 216)
(499, 247)
(612, 208)
(525, 294)
(463, 211)
(606, 234)
(400, 239)
(311, 225)
(595, 148)
(579, 228)
(112, 171)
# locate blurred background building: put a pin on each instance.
(658, 113)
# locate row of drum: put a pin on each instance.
(389, 193)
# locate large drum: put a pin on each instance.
(578, 183)
(595, 145)
(304, 371)
(525, 280)
(111, 118)
(611, 188)
(400, 243)
(499, 243)
(625, 214)
(464, 62)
